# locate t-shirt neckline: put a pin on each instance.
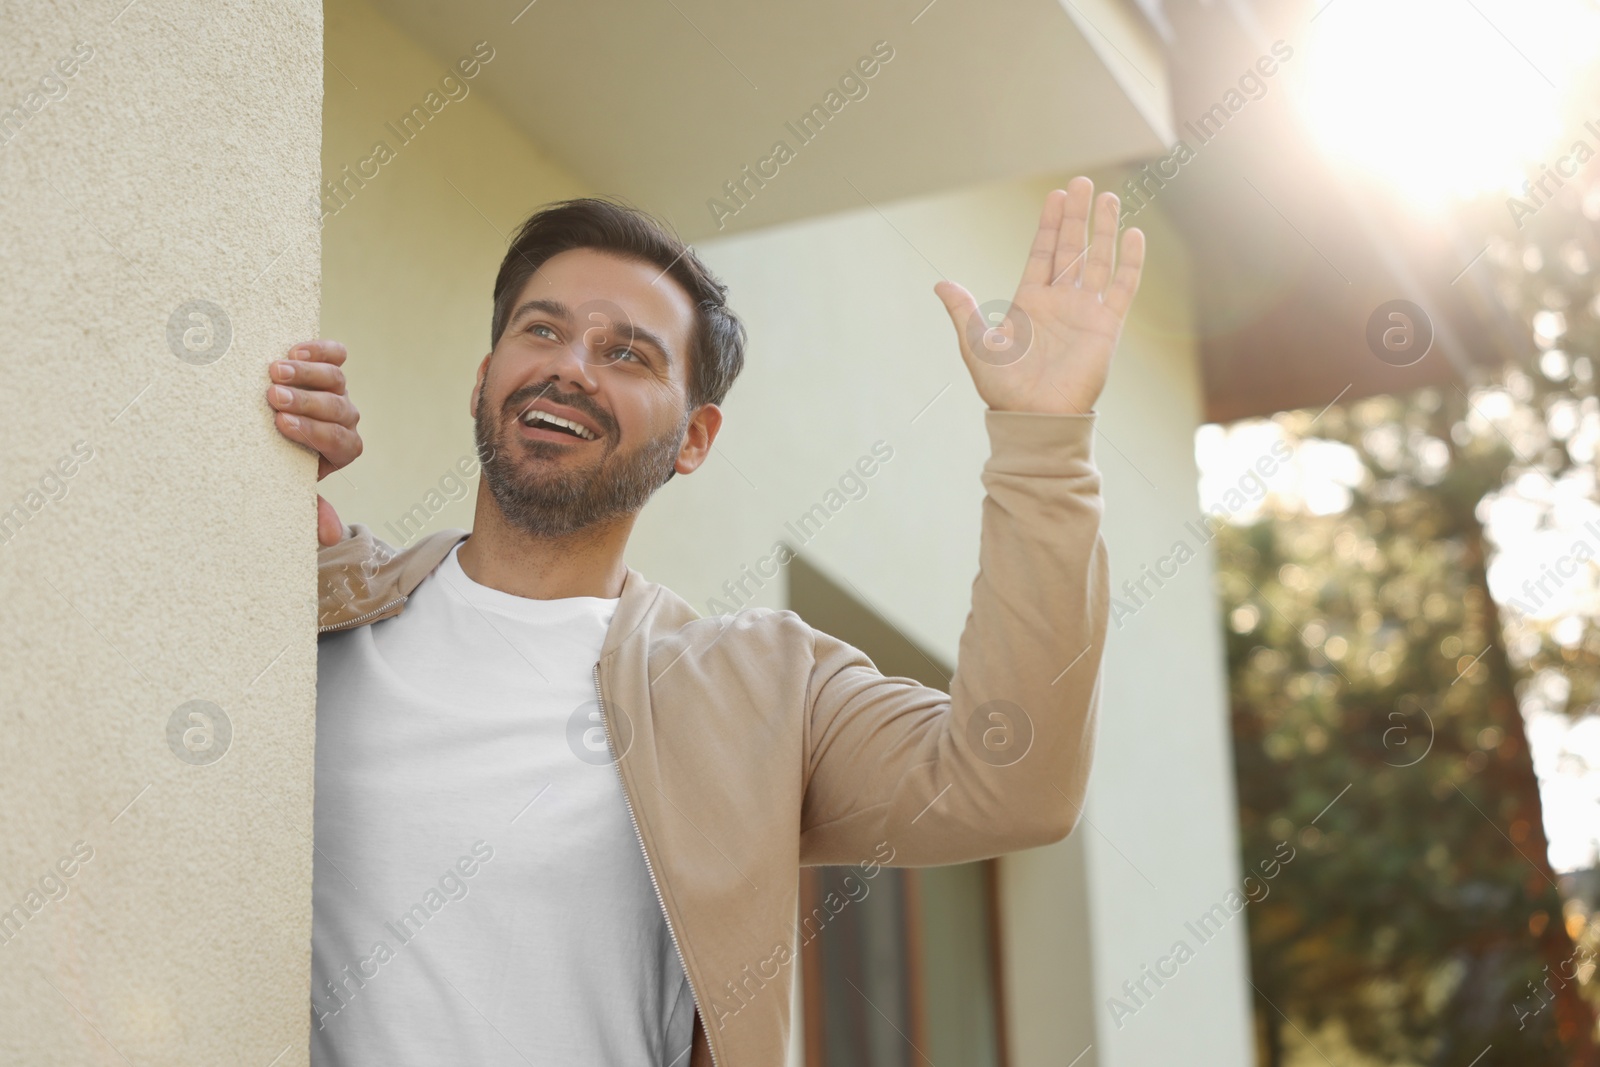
(530, 609)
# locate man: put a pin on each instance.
(559, 816)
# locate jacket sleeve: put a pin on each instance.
(1002, 761)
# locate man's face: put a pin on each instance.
(601, 341)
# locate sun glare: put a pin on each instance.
(1448, 98)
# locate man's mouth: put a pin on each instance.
(543, 420)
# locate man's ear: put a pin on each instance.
(698, 438)
(472, 401)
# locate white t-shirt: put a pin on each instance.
(479, 894)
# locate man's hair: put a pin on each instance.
(717, 340)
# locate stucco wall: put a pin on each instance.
(156, 536)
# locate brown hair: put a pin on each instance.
(718, 338)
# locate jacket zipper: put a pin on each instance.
(357, 621)
(606, 719)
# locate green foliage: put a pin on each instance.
(1364, 651)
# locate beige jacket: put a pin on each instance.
(752, 745)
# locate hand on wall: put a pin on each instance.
(313, 410)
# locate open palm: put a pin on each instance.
(1051, 351)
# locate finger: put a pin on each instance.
(325, 376)
(1041, 257)
(313, 404)
(1072, 239)
(1130, 266)
(1097, 265)
(330, 531)
(338, 445)
(319, 351)
(961, 306)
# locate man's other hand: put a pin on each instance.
(313, 410)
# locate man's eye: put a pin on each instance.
(637, 357)
(541, 326)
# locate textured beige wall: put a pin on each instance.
(409, 259)
(156, 538)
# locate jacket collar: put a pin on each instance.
(371, 581)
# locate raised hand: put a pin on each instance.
(1052, 352)
(313, 410)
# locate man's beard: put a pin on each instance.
(550, 504)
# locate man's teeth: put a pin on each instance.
(533, 417)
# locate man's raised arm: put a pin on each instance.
(1002, 761)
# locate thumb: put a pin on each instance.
(330, 531)
(957, 301)
(961, 306)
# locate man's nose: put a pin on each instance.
(577, 362)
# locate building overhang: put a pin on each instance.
(667, 103)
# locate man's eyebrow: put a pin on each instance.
(549, 307)
(559, 310)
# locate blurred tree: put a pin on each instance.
(1369, 662)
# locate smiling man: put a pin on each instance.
(560, 816)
